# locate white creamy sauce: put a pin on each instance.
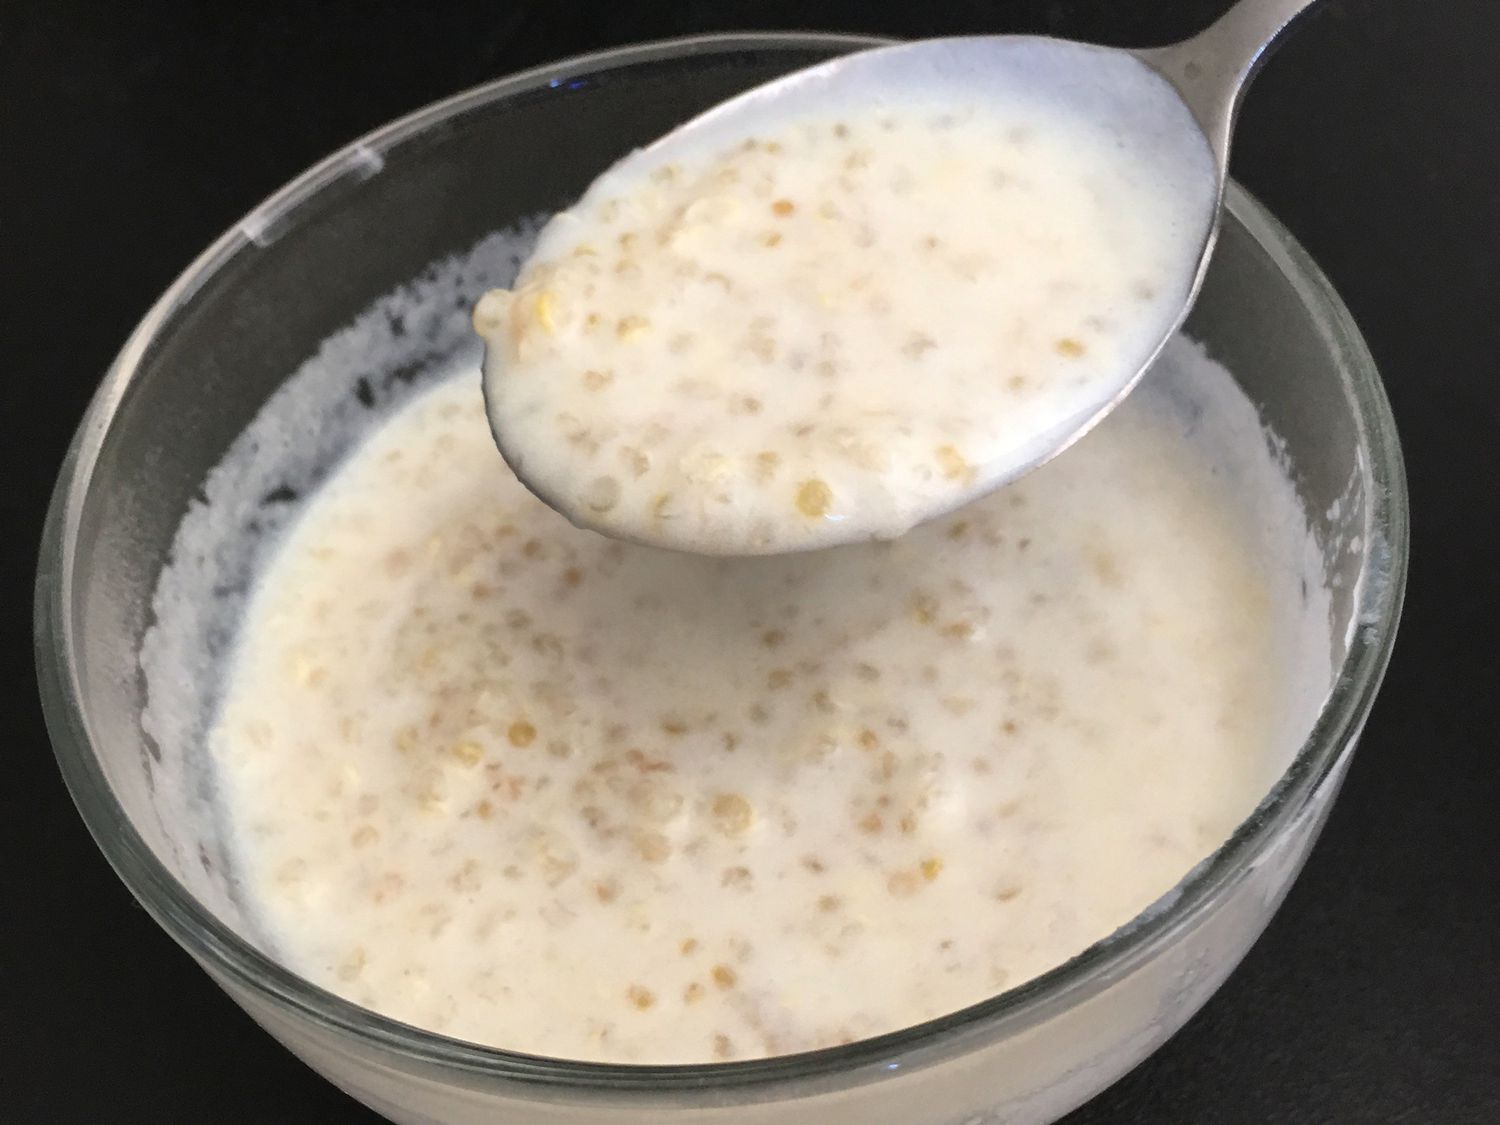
(511, 781)
(828, 326)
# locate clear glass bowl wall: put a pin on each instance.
(258, 303)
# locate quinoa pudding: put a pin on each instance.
(841, 324)
(521, 784)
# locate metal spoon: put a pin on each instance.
(1178, 98)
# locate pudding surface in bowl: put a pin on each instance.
(512, 781)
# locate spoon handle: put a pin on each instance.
(1212, 69)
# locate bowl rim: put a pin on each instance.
(1377, 610)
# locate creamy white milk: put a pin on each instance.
(521, 784)
(841, 323)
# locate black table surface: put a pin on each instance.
(131, 134)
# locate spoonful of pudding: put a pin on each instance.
(860, 296)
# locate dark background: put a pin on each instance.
(132, 133)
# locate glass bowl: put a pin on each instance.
(266, 297)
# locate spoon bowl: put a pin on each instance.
(1170, 109)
